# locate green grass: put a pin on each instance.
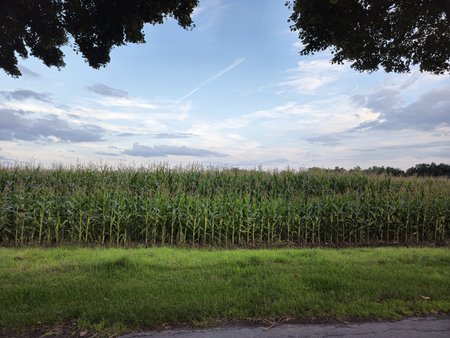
(117, 290)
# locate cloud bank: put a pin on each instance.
(25, 94)
(14, 125)
(430, 111)
(167, 150)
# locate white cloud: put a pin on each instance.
(412, 81)
(152, 125)
(103, 114)
(126, 102)
(309, 76)
(331, 115)
(35, 107)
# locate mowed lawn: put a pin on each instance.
(117, 290)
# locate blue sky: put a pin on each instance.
(231, 92)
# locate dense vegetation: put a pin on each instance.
(92, 28)
(393, 35)
(419, 170)
(160, 205)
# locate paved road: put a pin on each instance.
(410, 328)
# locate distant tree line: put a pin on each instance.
(423, 169)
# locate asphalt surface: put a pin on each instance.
(411, 328)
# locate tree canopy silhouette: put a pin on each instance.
(91, 27)
(392, 34)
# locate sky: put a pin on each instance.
(232, 92)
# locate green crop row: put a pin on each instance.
(160, 205)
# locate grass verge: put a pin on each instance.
(113, 290)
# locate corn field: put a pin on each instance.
(195, 206)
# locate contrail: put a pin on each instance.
(233, 65)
